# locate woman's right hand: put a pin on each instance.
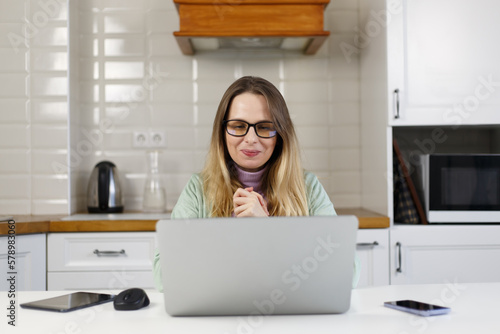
(248, 203)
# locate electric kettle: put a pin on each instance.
(104, 192)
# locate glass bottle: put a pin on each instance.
(154, 199)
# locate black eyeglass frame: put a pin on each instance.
(224, 123)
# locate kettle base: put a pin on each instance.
(117, 209)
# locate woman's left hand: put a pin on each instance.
(248, 203)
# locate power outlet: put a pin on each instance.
(157, 139)
(140, 139)
(149, 139)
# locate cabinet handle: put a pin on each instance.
(109, 253)
(367, 244)
(396, 103)
(398, 246)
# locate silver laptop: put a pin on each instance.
(251, 266)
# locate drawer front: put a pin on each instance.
(100, 251)
(102, 280)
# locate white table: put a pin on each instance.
(475, 309)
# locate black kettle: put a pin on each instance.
(104, 192)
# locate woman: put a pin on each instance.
(253, 167)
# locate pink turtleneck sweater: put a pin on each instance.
(251, 179)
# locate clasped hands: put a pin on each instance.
(248, 203)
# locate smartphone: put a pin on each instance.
(69, 302)
(418, 308)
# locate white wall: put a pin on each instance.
(33, 107)
(117, 50)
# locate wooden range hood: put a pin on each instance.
(251, 24)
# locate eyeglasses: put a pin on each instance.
(240, 128)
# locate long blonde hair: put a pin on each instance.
(283, 181)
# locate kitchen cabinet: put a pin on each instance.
(421, 254)
(102, 260)
(373, 249)
(30, 262)
(422, 63)
(442, 63)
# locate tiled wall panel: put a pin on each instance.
(33, 107)
(128, 74)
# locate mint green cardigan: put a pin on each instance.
(191, 204)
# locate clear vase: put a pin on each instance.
(154, 199)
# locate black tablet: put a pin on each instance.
(70, 302)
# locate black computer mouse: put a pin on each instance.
(131, 299)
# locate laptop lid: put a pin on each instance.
(243, 266)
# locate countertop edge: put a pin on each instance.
(47, 224)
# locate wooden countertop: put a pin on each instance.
(53, 223)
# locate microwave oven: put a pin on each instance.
(459, 188)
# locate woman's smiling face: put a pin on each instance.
(250, 152)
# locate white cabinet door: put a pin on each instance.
(441, 254)
(373, 252)
(444, 62)
(30, 262)
(101, 260)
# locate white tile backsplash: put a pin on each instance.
(13, 85)
(301, 68)
(52, 162)
(123, 22)
(131, 75)
(310, 113)
(124, 70)
(11, 61)
(48, 85)
(169, 68)
(15, 206)
(14, 161)
(162, 21)
(171, 114)
(14, 13)
(50, 36)
(14, 187)
(12, 35)
(340, 21)
(49, 112)
(49, 187)
(316, 159)
(176, 91)
(344, 113)
(124, 93)
(54, 10)
(124, 47)
(345, 182)
(47, 207)
(13, 110)
(345, 136)
(163, 45)
(49, 136)
(345, 159)
(43, 60)
(312, 136)
(304, 91)
(14, 136)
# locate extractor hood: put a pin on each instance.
(289, 25)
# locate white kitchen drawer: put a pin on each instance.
(102, 280)
(77, 251)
